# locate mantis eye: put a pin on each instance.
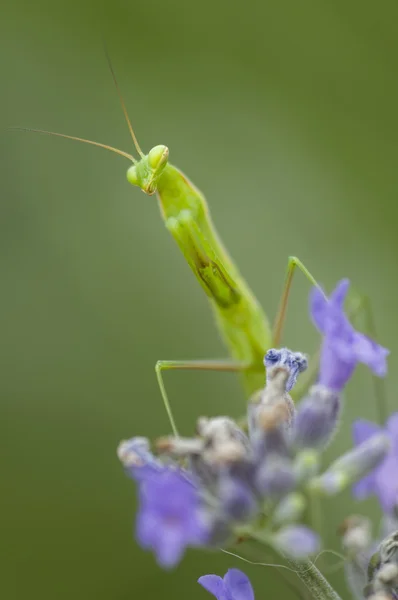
(132, 176)
(158, 156)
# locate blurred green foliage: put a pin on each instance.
(285, 115)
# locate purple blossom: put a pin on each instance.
(275, 478)
(234, 586)
(316, 418)
(237, 499)
(294, 362)
(343, 347)
(383, 480)
(171, 516)
(137, 459)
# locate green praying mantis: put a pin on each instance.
(240, 319)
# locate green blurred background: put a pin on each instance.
(285, 114)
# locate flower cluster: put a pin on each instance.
(223, 483)
(229, 482)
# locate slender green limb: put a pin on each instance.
(293, 262)
(191, 365)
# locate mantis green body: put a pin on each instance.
(239, 317)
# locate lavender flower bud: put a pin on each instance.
(294, 362)
(273, 395)
(224, 442)
(270, 435)
(275, 477)
(237, 499)
(353, 465)
(289, 509)
(316, 418)
(296, 541)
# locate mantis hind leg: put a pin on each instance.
(309, 376)
(293, 263)
(192, 365)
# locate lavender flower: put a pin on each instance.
(237, 499)
(294, 362)
(353, 465)
(383, 480)
(234, 586)
(171, 516)
(316, 418)
(137, 459)
(343, 347)
(276, 477)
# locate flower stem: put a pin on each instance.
(306, 570)
(319, 587)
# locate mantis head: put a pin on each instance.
(146, 172)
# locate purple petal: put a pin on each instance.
(213, 584)
(318, 308)
(343, 347)
(146, 528)
(392, 428)
(171, 516)
(334, 372)
(362, 489)
(386, 483)
(238, 585)
(170, 547)
(294, 362)
(383, 480)
(371, 354)
(362, 430)
(237, 499)
(339, 293)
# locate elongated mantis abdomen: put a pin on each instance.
(240, 319)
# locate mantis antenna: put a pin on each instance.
(135, 141)
(77, 139)
(91, 142)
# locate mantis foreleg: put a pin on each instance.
(223, 284)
